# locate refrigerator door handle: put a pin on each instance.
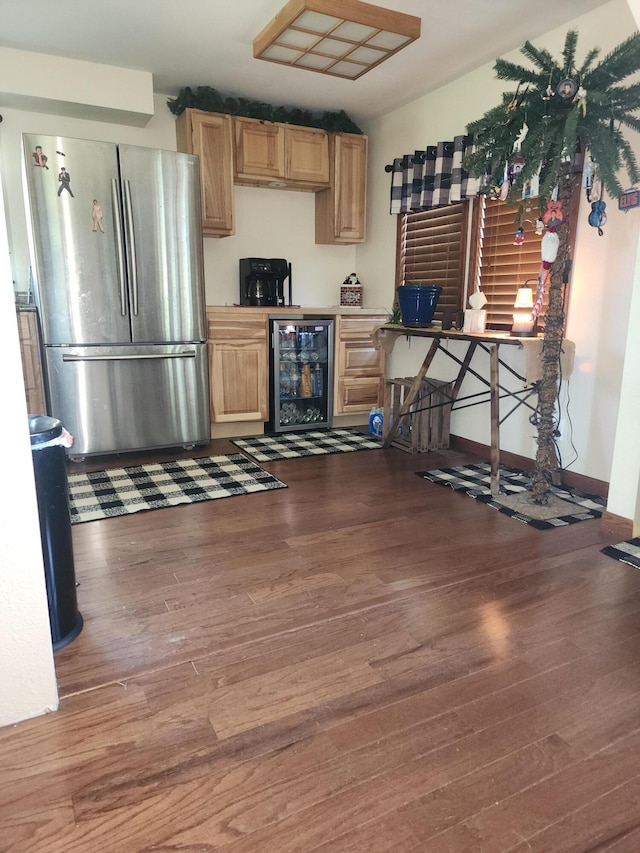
(133, 267)
(134, 357)
(119, 245)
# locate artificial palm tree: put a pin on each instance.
(559, 114)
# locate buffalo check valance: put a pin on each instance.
(433, 177)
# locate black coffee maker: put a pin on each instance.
(262, 281)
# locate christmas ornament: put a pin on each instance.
(567, 90)
(553, 215)
(598, 217)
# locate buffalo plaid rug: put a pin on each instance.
(475, 481)
(121, 491)
(266, 448)
(626, 552)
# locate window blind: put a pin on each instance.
(502, 266)
(432, 251)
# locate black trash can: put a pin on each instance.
(49, 465)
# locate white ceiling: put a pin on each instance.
(209, 43)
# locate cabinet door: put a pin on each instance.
(307, 156)
(209, 135)
(31, 362)
(340, 210)
(238, 367)
(259, 150)
(360, 366)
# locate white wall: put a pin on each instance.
(71, 87)
(278, 224)
(625, 476)
(27, 676)
(603, 266)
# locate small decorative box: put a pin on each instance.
(351, 291)
(351, 294)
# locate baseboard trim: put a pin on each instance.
(589, 485)
(622, 527)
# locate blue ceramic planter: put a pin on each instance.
(418, 303)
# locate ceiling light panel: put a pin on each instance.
(315, 63)
(296, 38)
(326, 35)
(316, 23)
(334, 48)
(351, 70)
(282, 54)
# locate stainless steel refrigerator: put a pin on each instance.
(116, 246)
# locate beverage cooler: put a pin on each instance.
(301, 385)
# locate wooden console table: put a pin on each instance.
(386, 336)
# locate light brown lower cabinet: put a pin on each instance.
(238, 341)
(359, 365)
(31, 361)
(238, 366)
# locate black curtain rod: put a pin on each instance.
(417, 157)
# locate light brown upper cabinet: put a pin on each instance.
(258, 153)
(210, 135)
(340, 210)
(259, 150)
(268, 152)
(306, 154)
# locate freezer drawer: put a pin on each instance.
(116, 399)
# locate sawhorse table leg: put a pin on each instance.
(495, 419)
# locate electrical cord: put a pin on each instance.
(534, 418)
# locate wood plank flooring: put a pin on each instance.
(362, 662)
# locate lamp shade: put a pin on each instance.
(524, 323)
(524, 298)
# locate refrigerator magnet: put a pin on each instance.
(96, 215)
(39, 158)
(65, 181)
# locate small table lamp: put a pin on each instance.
(524, 325)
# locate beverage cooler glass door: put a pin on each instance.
(301, 374)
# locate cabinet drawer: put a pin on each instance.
(235, 327)
(359, 328)
(361, 360)
(358, 395)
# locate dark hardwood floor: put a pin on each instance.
(361, 662)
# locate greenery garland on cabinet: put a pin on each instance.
(211, 101)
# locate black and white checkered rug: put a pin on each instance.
(317, 442)
(475, 481)
(121, 491)
(626, 552)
